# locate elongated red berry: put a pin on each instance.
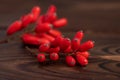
(41, 57)
(44, 47)
(86, 46)
(75, 44)
(60, 23)
(44, 27)
(51, 16)
(79, 35)
(40, 20)
(52, 8)
(26, 20)
(86, 54)
(45, 35)
(81, 60)
(54, 49)
(65, 43)
(68, 49)
(70, 61)
(55, 33)
(14, 27)
(54, 56)
(33, 40)
(58, 40)
(36, 12)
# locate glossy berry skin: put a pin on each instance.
(65, 43)
(86, 54)
(68, 49)
(14, 27)
(33, 40)
(79, 35)
(26, 20)
(44, 47)
(60, 23)
(54, 49)
(44, 27)
(75, 44)
(54, 56)
(57, 42)
(40, 20)
(36, 12)
(81, 60)
(70, 61)
(55, 33)
(41, 57)
(86, 46)
(46, 36)
(51, 16)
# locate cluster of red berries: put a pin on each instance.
(49, 39)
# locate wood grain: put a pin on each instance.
(98, 18)
(16, 63)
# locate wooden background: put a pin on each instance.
(100, 19)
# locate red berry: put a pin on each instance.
(51, 16)
(55, 33)
(36, 12)
(14, 27)
(26, 20)
(54, 56)
(44, 47)
(81, 60)
(79, 35)
(33, 40)
(55, 49)
(60, 23)
(41, 57)
(40, 19)
(75, 44)
(52, 8)
(46, 36)
(86, 54)
(70, 61)
(43, 27)
(68, 50)
(86, 46)
(58, 40)
(65, 43)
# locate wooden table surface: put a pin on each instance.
(99, 20)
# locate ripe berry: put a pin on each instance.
(54, 49)
(60, 23)
(14, 27)
(44, 47)
(26, 20)
(54, 56)
(41, 57)
(86, 54)
(43, 27)
(36, 12)
(81, 60)
(46, 36)
(75, 44)
(33, 40)
(86, 46)
(70, 61)
(52, 8)
(55, 33)
(58, 40)
(40, 20)
(68, 50)
(79, 35)
(65, 43)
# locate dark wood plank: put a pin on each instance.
(98, 18)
